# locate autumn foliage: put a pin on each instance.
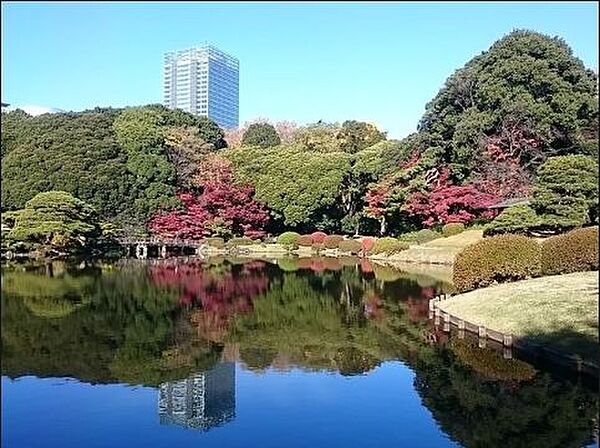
(221, 201)
(449, 203)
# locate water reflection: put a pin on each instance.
(181, 328)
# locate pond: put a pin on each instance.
(256, 353)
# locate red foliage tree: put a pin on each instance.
(449, 203)
(377, 199)
(505, 179)
(221, 199)
(318, 237)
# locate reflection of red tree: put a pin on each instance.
(373, 306)
(366, 266)
(218, 296)
(418, 308)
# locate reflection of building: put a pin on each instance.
(202, 401)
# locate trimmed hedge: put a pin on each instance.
(367, 244)
(318, 237)
(332, 241)
(304, 240)
(216, 242)
(244, 241)
(426, 235)
(573, 251)
(499, 258)
(288, 238)
(453, 228)
(352, 246)
(515, 219)
(318, 246)
(389, 246)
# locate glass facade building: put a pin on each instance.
(203, 81)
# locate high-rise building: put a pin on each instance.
(203, 81)
(202, 401)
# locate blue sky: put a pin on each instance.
(379, 62)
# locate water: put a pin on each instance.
(234, 353)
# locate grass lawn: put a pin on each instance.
(558, 310)
(440, 251)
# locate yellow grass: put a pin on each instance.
(440, 251)
(559, 310)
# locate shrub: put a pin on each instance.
(216, 242)
(426, 235)
(288, 238)
(352, 246)
(332, 241)
(367, 244)
(318, 246)
(499, 258)
(453, 228)
(516, 219)
(304, 240)
(389, 246)
(235, 242)
(574, 251)
(409, 237)
(318, 237)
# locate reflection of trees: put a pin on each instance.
(476, 412)
(216, 293)
(336, 321)
(124, 333)
(49, 296)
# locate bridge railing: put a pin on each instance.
(160, 241)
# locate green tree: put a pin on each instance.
(320, 137)
(526, 98)
(74, 152)
(211, 133)
(57, 219)
(301, 188)
(261, 134)
(357, 135)
(566, 191)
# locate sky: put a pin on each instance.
(379, 62)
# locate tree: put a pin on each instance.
(211, 133)
(448, 203)
(321, 137)
(57, 219)
(357, 135)
(221, 202)
(566, 191)
(301, 188)
(186, 150)
(526, 98)
(261, 134)
(74, 152)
